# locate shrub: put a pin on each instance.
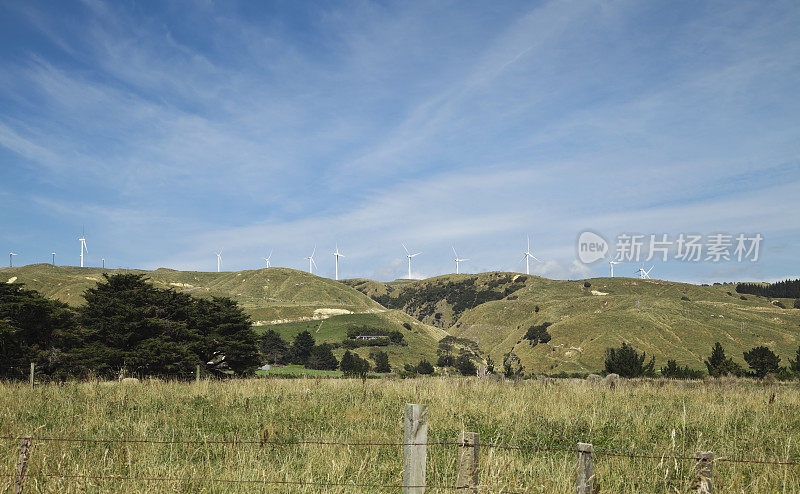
(685, 298)
(743, 297)
(794, 365)
(538, 334)
(382, 362)
(322, 358)
(779, 304)
(762, 360)
(627, 362)
(797, 303)
(536, 309)
(445, 360)
(720, 365)
(424, 367)
(586, 284)
(352, 365)
(301, 348)
(407, 326)
(274, 349)
(465, 366)
(674, 371)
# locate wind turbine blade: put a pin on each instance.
(415, 255)
(524, 256)
(405, 249)
(313, 262)
(534, 257)
(454, 251)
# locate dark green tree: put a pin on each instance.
(382, 362)
(226, 336)
(627, 362)
(794, 365)
(301, 349)
(720, 365)
(762, 360)
(465, 365)
(274, 348)
(674, 371)
(424, 367)
(129, 324)
(34, 329)
(322, 358)
(352, 365)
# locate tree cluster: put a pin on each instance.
(780, 289)
(126, 324)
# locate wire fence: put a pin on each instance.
(21, 474)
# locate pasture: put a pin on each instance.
(248, 435)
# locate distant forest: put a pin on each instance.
(781, 289)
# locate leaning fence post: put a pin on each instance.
(584, 483)
(33, 368)
(467, 478)
(704, 477)
(22, 463)
(415, 438)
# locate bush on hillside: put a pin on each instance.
(424, 367)
(720, 365)
(274, 348)
(322, 358)
(352, 365)
(538, 334)
(465, 365)
(762, 360)
(627, 362)
(381, 360)
(674, 371)
(34, 329)
(301, 348)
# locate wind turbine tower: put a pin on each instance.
(527, 256)
(266, 259)
(11, 259)
(219, 260)
(611, 263)
(311, 263)
(409, 255)
(54, 257)
(337, 255)
(82, 240)
(458, 260)
(644, 275)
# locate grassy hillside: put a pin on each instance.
(282, 298)
(268, 295)
(422, 339)
(653, 315)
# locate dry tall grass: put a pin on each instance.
(733, 417)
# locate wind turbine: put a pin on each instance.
(54, 257)
(337, 255)
(527, 256)
(219, 260)
(82, 240)
(644, 275)
(311, 263)
(457, 260)
(611, 263)
(103, 260)
(409, 255)
(266, 259)
(11, 259)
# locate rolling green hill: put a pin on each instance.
(653, 315)
(279, 298)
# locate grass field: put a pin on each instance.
(729, 417)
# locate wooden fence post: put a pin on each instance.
(197, 375)
(22, 464)
(704, 476)
(467, 478)
(584, 483)
(33, 367)
(415, 437)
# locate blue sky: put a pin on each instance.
(170, 130)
